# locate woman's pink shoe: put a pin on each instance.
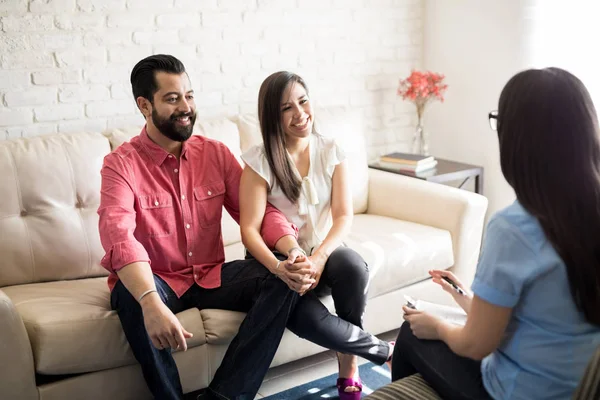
(344, 383)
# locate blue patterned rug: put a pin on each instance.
(373, 377)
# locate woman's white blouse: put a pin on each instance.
(312, 212)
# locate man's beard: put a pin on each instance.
(169, 128)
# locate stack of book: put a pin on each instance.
(408, 162)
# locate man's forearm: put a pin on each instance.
(138, 279)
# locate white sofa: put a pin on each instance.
(59, 338)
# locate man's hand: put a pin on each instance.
(162, 325)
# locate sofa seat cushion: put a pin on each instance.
(399, 253)
(72, 328)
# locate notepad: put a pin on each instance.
(454, 315)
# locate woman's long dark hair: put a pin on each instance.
(550, 155)
(269, 115)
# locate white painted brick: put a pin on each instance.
(200, 35)
(26, 59)
(239, 65)
(113, 37)
(237, 5)
(27, 23)
(58, 112)
(82, 56)
(362, 98)
(221, 19)
(365, 69)
(305, 17)
(149, 4)
(15, 116)
(56, 76)
(14, 42)
(53, 41)
(82, 93)
(11, 7)
(196, 5)
(271, 63)
(296, 47)
(51, 6)
(208, 99)
(277, 4)
(126, 121)
(128, 54)
(107, 74)
(120, 91)
(242, 33)
(221, 111)
(186, 53)
(109, 108)
(103, 6)
(261, 18)
(253, 81)
(240, 96)
(217, 82)
(82, 125)
(30, 130)
(277, 34)
(30, 97)
(171, 21)
(203, 65)
(382, 82)
(349, 57)
(314, 59)
(314, 4)
(348, 4)
(130, 19)
(80, 22)
(218, 49)
(381, 54)
(156, 37)
(260, 48)
(14, 79)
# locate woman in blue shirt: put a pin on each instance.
(533, 318)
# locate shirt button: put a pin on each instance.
(182, 197)
(196, 276)
(176, 170)
(170, 155)
(187, 226)
(190, 254)
(209, 192)
(156, 203)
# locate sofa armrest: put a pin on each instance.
(458, 211)
(16, 357)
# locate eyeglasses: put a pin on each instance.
(493, 117)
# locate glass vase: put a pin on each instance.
(420, 144)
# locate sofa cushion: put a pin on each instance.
(398, 252)
(50, 194)
(72, 328)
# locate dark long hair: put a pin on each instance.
(269, 115)
(550, 155)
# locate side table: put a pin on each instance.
(444, 171)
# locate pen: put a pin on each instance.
(451, 282)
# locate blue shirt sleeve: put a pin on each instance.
(505, 266)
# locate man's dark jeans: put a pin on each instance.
(246, 286)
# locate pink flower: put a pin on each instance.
(420, 87)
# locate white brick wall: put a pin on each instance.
(65, 64)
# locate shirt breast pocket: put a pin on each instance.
(157, 217)
(209, 203)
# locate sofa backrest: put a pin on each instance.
(50, 190)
